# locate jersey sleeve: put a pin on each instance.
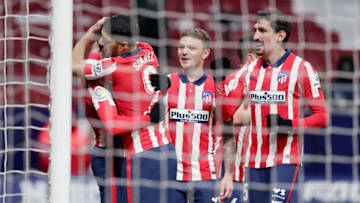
(234, 95)
(96, 69)
(314, 99)
(107, 112)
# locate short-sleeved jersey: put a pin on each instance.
(279, 89)
(132, 92)
(91, 115)
(234, 88)
(191, 108)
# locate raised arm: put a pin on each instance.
(83, 46)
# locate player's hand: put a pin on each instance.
(160, 82)
(157, 113)
(94, 32)
(226, 187)
(276, 124)
(219, 67)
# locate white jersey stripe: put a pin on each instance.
(314, 89)
(258, 119)
(196, 174)
(153, 138)
(238, 154)
(248, 149)
(273, 110)
(136, 141)
(162, 130)
(247, 79)
(211, 143)
(291, 88)
(179, 132)
(274, 87)
(287, 149)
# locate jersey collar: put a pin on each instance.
(198, 82)
(133, 53)
(279, 62)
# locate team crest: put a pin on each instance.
(283, 77)
(207, 97)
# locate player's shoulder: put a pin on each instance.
(303, 63)
(173, 75)
(209, 78)
(239, 73)
(145, 46)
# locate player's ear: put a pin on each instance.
(281, 35)
(206, 53)
(123, 46)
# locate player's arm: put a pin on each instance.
(116, 124)
(242, 116)
(236, 105)
(83, 46)
(314, 99)
(228, 106)
(309, 83)
(226, 183)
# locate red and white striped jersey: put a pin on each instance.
(133, 93)
(95, 123)
(191, 107)
(90, 112)
(234, 88)
(280, 89)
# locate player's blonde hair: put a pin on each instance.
(198, 33)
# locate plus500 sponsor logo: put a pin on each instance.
(267, 97)
(189, 115)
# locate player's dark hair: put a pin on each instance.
(122, 28)
(245, 46)
(198, 33)
(278, 21)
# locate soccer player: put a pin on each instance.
(99, 106)
(191, 120)
(277, 82)
(236, 116)
(128, 64)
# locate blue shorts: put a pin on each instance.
(98, 168)
(147, 176)
(204, 191)
(274, 184)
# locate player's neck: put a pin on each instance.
(275, 55)
(193, 74)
